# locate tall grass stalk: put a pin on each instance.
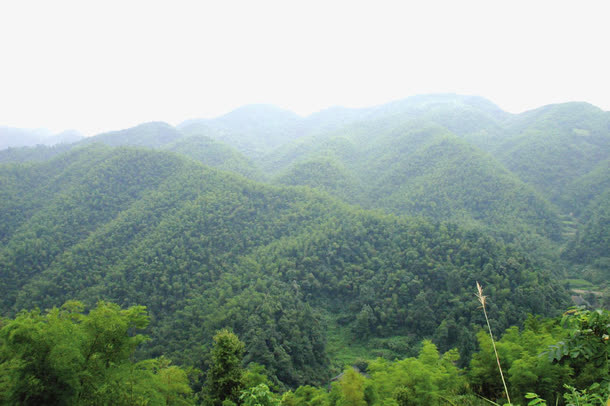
(482, 299)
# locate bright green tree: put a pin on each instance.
(66, 357)
(350, 388)
(259, 395)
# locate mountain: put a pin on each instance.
(64, 137)
(589, 249)
(215, 154)
(38, 153)
(419, 169)
(153, 134)
(552, 146)
(18, 137)
(286, 268)
(327, 174)
(197, 146)
(528, 178)
(156, 135)
(253, 130)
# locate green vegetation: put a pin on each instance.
(215, 154)
(67, 357)
(205, 250)
(345, 244)
(38, 153)
(551, 146)
(225, 376)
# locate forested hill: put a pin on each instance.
(533, 179)
(294, 271)
(556, 145)
(424, 170)
(527, 177)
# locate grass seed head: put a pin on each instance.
(480, 294)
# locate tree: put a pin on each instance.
(258, 395)
(349, 390)
(67, 357)
(225, 375)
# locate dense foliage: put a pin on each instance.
(460, 191)
(67, 357)
(204, 250)
(215, 154)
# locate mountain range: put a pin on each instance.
(363, 230)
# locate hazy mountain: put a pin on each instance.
(154, 135)
(552, 146)
(252, 130)
(215, 154)
(419, 169)
(38, 153)
(18, 137)
(446, 157)
(64, 137)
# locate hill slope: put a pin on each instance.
(215, 154)
(203, 249)
(420, 169)
(552, 146)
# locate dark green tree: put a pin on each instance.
(225, 378)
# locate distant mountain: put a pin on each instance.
(327, 174)
(545, 161)
(64, 137)
(253, 130)
(215, 154)
(18, 137)
(154, 135)
(38, 153)
(419, 169)
(551, 147)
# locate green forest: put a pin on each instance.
(263, 258)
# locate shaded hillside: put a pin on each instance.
(327, 174)
(552, 146)
(577, 194)
(215, 154)
(203, 249)
(449, 179)
(589, 250)
(417, 168)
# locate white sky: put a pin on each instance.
(103, 65)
